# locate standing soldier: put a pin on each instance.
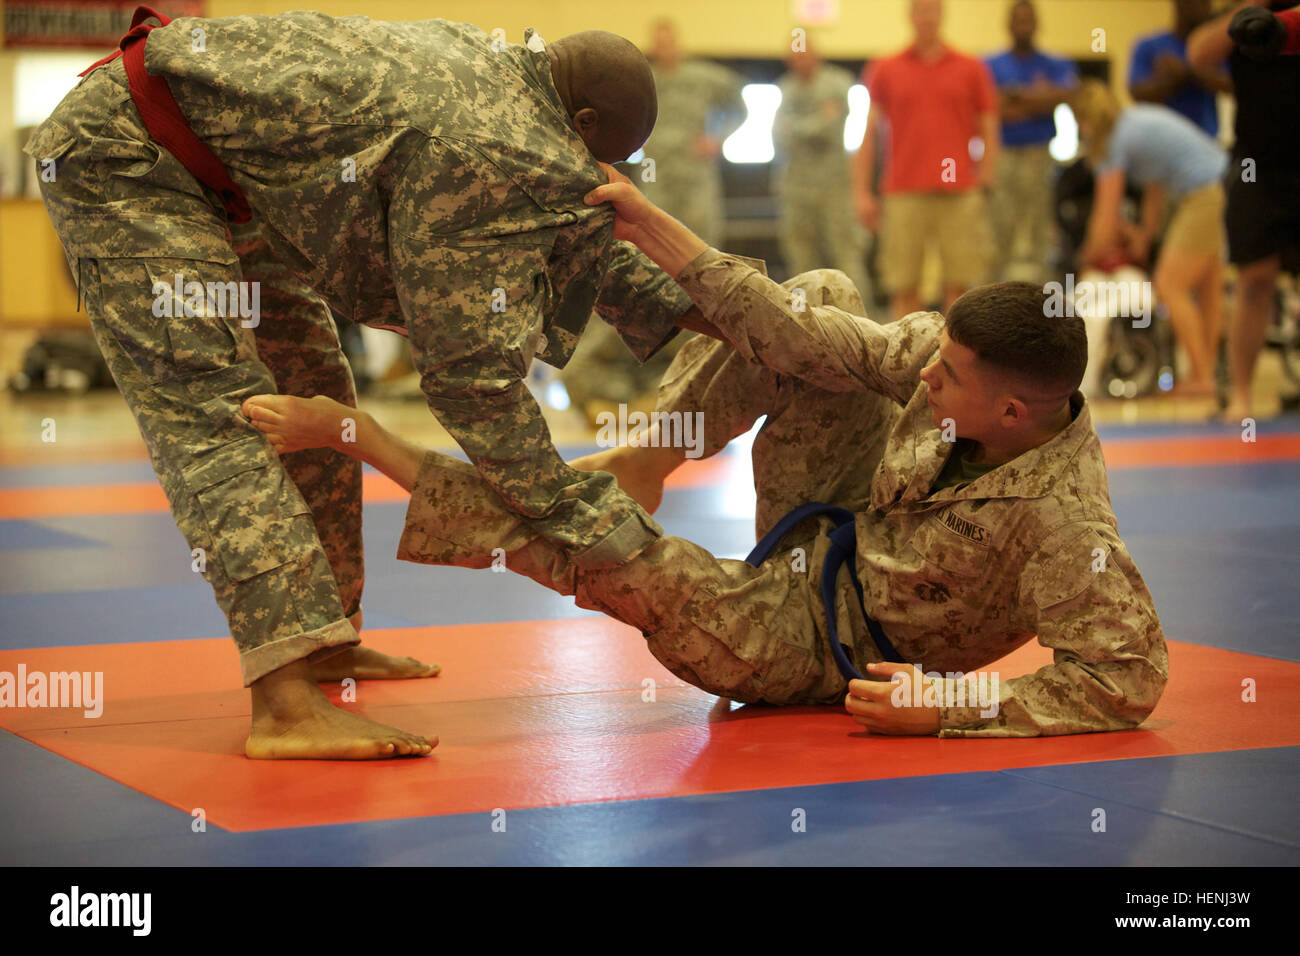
(423, 177)
(699, 107)
(1031, 85)
(813, 184)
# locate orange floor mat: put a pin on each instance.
(542, 713)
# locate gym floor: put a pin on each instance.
(564, 742)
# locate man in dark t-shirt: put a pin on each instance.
(1263, 217)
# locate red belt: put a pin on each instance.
(1291, 20)
(165, 121)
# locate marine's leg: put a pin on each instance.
(751, 634)
(814, 445)
(742, 632)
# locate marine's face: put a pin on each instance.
(959, 390)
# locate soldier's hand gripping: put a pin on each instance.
(888, 705)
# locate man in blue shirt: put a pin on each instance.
(1031, 85)
(1160, 73)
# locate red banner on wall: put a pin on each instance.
(93, 24)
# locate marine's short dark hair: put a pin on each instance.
(1009, 326)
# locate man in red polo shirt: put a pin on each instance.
(932, 101)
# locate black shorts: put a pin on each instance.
(1263, 218)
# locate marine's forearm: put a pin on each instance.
(668, 243)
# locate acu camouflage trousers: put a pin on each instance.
(279, 540)
(749, 634)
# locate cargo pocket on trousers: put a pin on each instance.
(193, 321)
(127, 158)
(47, 146)
(255, 518)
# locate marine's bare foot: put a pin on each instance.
(364, 663)
(293, 424)
(640, 470)
(293, 720)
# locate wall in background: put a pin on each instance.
(31, 279)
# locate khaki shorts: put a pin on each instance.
(959, 221)
(1196, 222)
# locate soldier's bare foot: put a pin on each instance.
(293, 424)
(363, 663)
(293, 720)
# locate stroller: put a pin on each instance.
(1126, 359)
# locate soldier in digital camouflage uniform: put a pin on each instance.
(960, 562)
(700, 105)
(818, 228)
(421, 177)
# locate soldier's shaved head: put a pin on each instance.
(608, 89)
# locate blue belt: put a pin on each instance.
(844, 547)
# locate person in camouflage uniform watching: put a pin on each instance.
(812, 177)
(424, 177)
(981, 516)
(700, 106)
